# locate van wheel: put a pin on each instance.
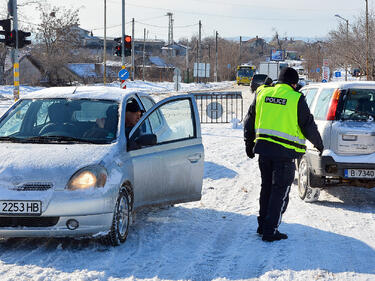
(120, 223)
(305, 191)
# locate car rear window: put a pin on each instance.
(322, 104)
(359, 104)
(259, 77)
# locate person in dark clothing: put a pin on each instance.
(132, 115)
(105, 127)
(275, 127)
(267, 83)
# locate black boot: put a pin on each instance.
(260, 226)
(275, 237)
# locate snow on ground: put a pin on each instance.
(215, 238)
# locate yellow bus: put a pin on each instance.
(245, 73)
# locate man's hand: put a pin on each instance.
(249, 149)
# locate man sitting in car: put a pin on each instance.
(132, 115)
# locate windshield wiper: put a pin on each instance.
(360, 115)
(47, 139)
(12, 139)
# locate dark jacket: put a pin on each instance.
(305, 122)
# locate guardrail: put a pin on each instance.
(219, 107)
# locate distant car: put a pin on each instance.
(345, 115)
(62, 176)
(256, 81)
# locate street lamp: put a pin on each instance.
(347, 42)
(367, 43)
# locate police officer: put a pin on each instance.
(275, 127)
(267, 83)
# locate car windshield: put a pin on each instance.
(359, 105)
(61, 121)
(245, 72)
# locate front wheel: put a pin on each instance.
(120, 223)
(305, 191)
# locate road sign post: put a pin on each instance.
(177, 78)
(123, 74)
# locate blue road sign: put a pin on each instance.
(123, 74)
(324, 81)
(338, 74)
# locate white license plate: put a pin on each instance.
(360, 173)
(17, 207)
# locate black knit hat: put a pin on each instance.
(288, 76)
(133, 106)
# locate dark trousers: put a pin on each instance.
(277, 177)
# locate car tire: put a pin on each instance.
(305, 191)
(121, 220)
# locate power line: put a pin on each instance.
(160, 26)
(225, 16)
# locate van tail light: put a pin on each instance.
(333, 105)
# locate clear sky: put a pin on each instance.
(231, 18)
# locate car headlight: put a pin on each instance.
(88, 177)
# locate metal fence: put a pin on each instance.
(219, 107)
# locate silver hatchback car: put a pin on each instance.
(345, 115)
(62, 175)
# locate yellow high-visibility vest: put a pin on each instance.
(276, 117)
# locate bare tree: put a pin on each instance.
(352, 51)
(57, 38)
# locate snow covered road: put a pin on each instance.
(215, 239)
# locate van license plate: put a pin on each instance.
(15, 207)
(360, 173)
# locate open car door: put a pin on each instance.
(167, 153)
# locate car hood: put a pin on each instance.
(54, 164)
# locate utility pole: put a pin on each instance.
(123, 36)
(172, 22)
(199, 47)
(170, 28)
(239, 60)
(105, 43)
(133, 55)
(16, 64)
(144, 51)
(367, 43)
(347, 42)
(215, 74)
(187, 63)
(197, 60)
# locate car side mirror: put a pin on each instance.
(142, 141)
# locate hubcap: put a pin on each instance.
(122, 216)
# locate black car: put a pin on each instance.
(256, 81)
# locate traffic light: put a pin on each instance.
(5, 24)
(22, 41)
(128, 45)
(22, 38)
(118, 50)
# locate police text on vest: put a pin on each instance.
(276, 100)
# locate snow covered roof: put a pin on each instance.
(158, 61)
(83, 69)
(89, 70)
(90, 92)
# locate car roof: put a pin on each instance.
(343, 84)
(82, 92)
